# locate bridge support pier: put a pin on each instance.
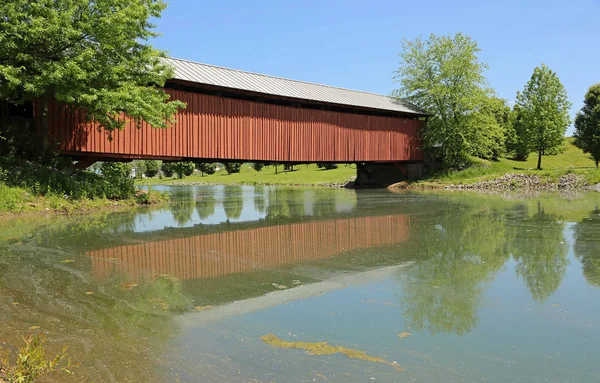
(374, 175)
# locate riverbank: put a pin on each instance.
(301, 175)
(570, 170)
(16, 201)
(568, 180)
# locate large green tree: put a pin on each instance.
(92, 55)
(444, 76)
(488, 127)
(543, 110)
(587, 124)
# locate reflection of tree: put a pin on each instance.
(183, 207)
(540, 253)
(206, 206)
(324, 205)
(259, 199)
(183, 212)
(587, 246)
(233, 202)
(285, 203)
(464, 248)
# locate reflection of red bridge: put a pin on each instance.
(224, 253)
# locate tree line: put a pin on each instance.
(445, 77)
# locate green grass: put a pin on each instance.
(572, 160)
(304, 175)
(16, 200)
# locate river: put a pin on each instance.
(420, 287)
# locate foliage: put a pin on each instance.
(152, 168)
(206, 168)
(232, 167)
(91, 55)
(587, 124)
(258, 166)
(183, 210)
(148, 197)
(444, 76)
(586, 246)
(32, 363)
(543, 110)
(515, 144)
(118, 183)
(12, 198)
(233, 202)
(259, 199)
(183, 168)
(488, 126)
(540, 253)
(139, 168)
(53, 180)
(326, 165)
(206, 206)
(168, 168)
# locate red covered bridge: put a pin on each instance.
(237, 115)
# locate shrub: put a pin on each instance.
(326, 165)
(183, 169)
(118, 183)
(206, 167)
(258, 166)
(168, 168)
(39, 179)
(233, 167)
(152, 168)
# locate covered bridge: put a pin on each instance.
(243, 116)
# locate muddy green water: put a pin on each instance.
(451, 287)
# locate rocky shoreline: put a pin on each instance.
(528, 182)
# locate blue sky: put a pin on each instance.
(355, 44)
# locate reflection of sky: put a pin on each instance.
(344, 201)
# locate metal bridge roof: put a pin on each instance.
(254, 82)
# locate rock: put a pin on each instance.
(524, 181)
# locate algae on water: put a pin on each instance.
(324, 348)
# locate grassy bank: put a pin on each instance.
(55, 186)
(571, 161)
(17, 200)
(305, 175)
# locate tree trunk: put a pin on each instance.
(597, 159)
(539, 167)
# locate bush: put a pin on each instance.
(206, 167)
(168, 168)
(118, 183)
(258, 166)
(75, 184)
(11, 198)
(326, 165)
(183, 169)
(233, 167)
(152, 168)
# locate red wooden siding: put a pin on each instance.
(219, 254)
(215, 127)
